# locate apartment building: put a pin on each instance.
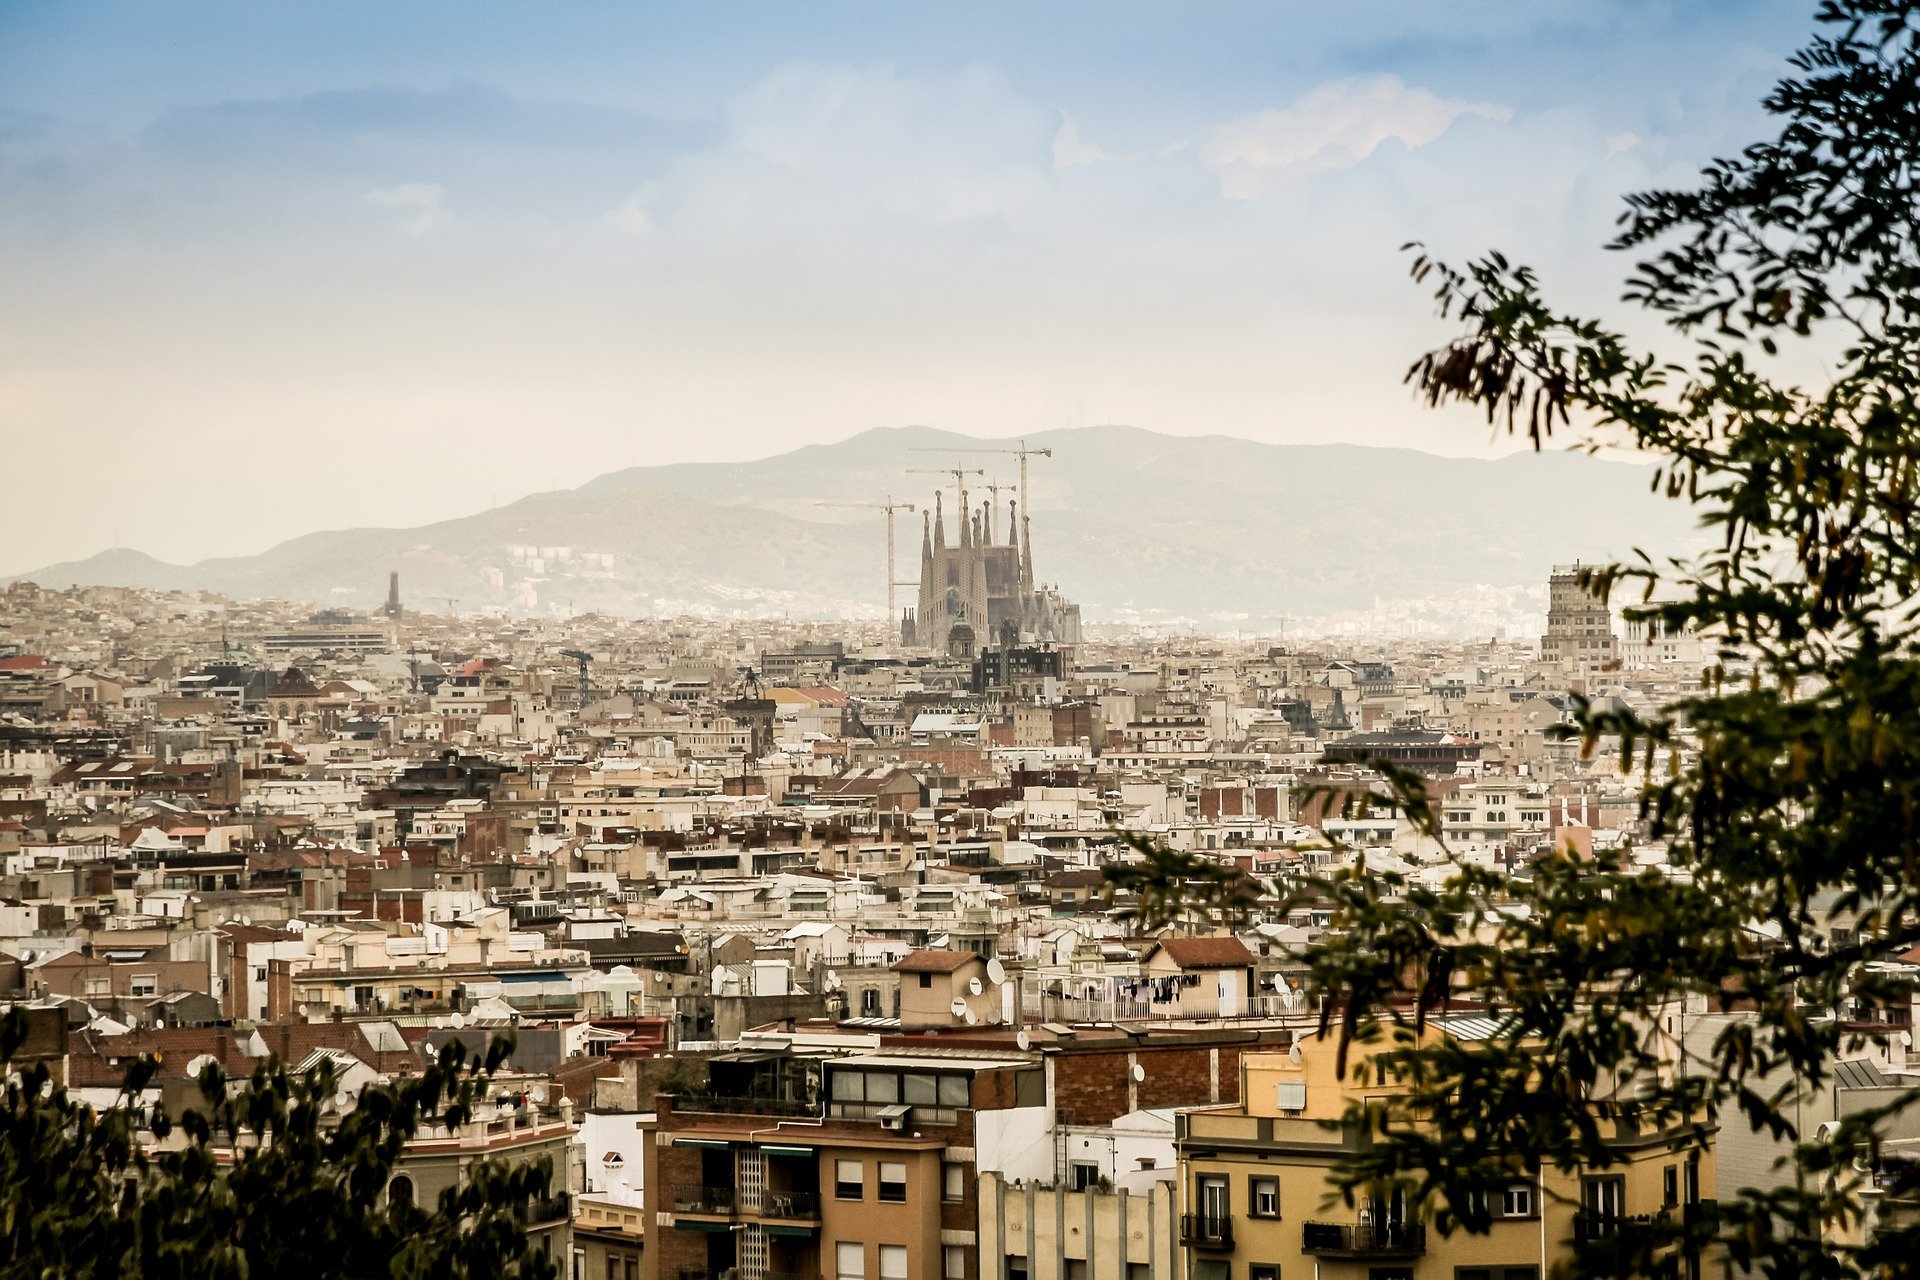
(1258, 1202)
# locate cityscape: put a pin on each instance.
(623, 798)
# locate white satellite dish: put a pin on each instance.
(996, 972)
(972, 1017)
(973, 985)
(538, 1093)
(458, 1019)
(958, 1006)
(1280, 982)
(1139, 1073)
(833, 980)
(1293, 1052)
(1024, 1040)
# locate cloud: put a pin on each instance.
(632, 216)
(1334, 126)
(423, 203)
(1070, 150)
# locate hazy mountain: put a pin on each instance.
(1125, 520)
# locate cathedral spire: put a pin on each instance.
(939, 522)
(1026, 554)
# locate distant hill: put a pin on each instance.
(1125, 520)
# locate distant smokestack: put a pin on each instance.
(393, 594)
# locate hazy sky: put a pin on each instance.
(267, 268)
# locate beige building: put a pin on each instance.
(946, 989)
(1033, 1232)
(1258, 1203)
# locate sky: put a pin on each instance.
(273, 268)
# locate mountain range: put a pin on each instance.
(1132, 523)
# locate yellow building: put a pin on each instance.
(1258, 1202)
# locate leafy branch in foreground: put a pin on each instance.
(1782, 795)
(266, 1177)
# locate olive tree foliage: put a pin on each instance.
(261, 1178)
(1787, 785)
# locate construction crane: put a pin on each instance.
(889, 506)
(1021, 451)
(959, 475)
(450, 602)
(583, 658)
(994, 487)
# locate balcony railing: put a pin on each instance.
(1364, 1239)
(557, 1207)
(721, 1105)
(715, 1200)
(1588, 1225)
(1206, 1231)
(803, 1205)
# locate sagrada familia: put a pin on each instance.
(979, 593)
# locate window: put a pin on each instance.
(953, 1263)
(850, 1260)
(1076, 1269)
(1084, 1175)
(144, 984)
(1291, 1095)
(849, 1179)
(893, 1181)
(400, 1193)
(1517, 1200)
(260, 973)
(1263, 1197)
(893, 1262)
(1016, 1266)
(1141, 1271)
(1670, 1186)
(1213, 1199)
(926, 980)
(1263, 1272)
(953, 1181)
(1603, 1202)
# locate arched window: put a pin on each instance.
(400, 1193)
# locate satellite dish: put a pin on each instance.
(996, 972)
(1280, 983)
(458, 1019)
(833, 980)
(1293, 1053)
(538, 1093)
(958, 1006)
(1024, 1040)
(1139, 1073)
(973, 985)
(972, 1017)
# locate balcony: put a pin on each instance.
(1363, 1239)
(795, 1206)
(1588, 1226)
(718, 1104)
(1205, 1231)
(713, 1201)
(544, 1210)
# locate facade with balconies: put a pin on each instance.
(1259, 1200)
(798, 1167)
